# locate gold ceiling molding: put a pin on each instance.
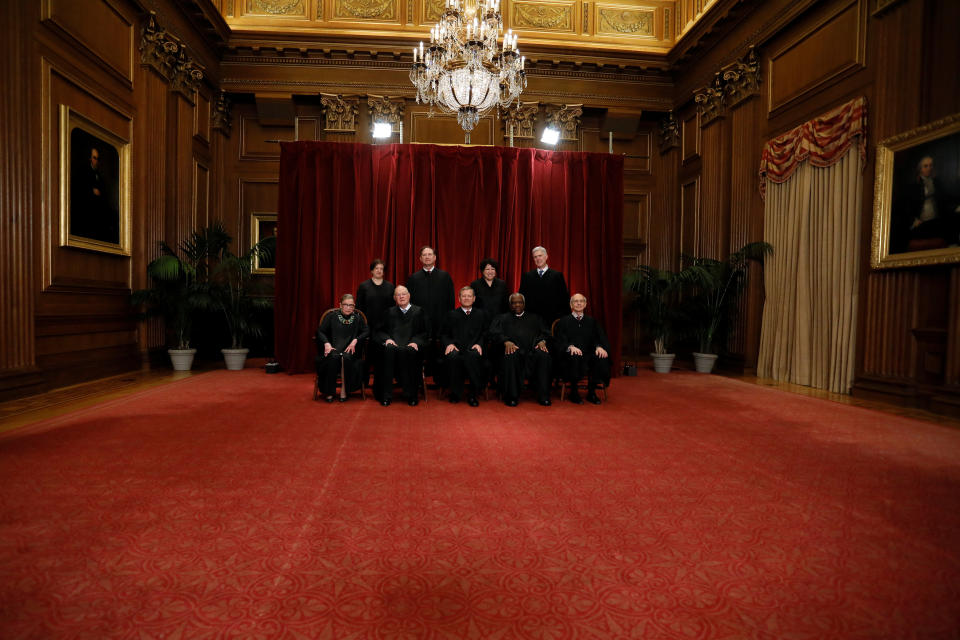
(432, 9)
(167, 55)
(566, 118)
(220, 118)
(535, 15)
(340, 113)
(619, 21)
(277, 7)
(386, 109)
(523, 117)
(366, 9)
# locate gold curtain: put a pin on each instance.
(810, 314)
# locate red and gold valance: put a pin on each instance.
(822, 141)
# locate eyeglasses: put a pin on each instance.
(348, 304)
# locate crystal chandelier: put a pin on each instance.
(464, 71)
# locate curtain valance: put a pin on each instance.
(823, 141)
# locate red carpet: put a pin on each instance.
(230, 505)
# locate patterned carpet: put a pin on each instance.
(230, 505)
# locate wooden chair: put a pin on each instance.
(583, 382)
(360, 349)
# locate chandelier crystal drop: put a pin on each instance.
(464, 70)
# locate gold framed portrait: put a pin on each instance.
(94, 186)
(916, 201)
(263, 226)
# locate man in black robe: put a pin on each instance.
(340, 337)
(545, 289)
(462, 339)
(584, 349)
(431, 288)
(525, 353)
(403, 335)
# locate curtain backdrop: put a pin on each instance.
(342, 205)
(808, 334)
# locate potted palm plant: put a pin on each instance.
(239, 295)
(179, 288)
(657, 291)
(711, 303)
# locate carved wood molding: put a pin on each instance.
(710, 101)
(386, 109)
(566, 118)
(669, 133)
(167, 55)
(340, 113)
(220, 117)
(742, 78)
(523, 117)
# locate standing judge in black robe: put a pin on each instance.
(462, 339)
(375, 295)
(491, 292)
(525, 353)
(584, 349)
(338, 339)
(404, 334)
(544, 288)
(431, 288)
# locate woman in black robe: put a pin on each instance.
(375, 296)
(491, 291)
(339, 337)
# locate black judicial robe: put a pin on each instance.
(340, 334)
(433, 291)
(493, 298)
(546, 295)
(401, 361)
(528, 362)
(375, 300)
(463, 331)
(585, 334)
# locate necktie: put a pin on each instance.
(467, 311)
(541, 272)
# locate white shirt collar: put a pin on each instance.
(406, 308)
(428, 270)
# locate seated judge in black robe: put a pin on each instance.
(375, 295)
(462, 339)
(491, 292)
(583, 348)
(544, 288)
(339, 339)
(432, 289)
(525, 353)
(403, 336)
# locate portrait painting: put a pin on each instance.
(264, 227)
(94, 186)
(916, 215)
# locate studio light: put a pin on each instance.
(550, 135)
(382, 130)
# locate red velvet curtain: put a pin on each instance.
(342, 205)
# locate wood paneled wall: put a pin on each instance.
(66, 310)
(813, 56)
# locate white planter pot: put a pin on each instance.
(704, 361)
(662, 361)
(234, 358)
(182, 359)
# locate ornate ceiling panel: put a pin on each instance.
(641, 26)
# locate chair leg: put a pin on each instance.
(316, 387)
(563, 389)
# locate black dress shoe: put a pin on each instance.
(454, 400)
(593, 399)
(342, 398)
(472, 402)
(510, 403)
(385, 402)
(329, 398)
(576, 399)
(413, 402)
(545, 403)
